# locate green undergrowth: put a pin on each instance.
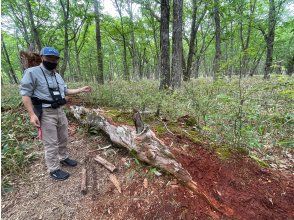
(223, 153)
(10, 98)
(18, 143)
(260, 162)
(17, 146)
(251, 114)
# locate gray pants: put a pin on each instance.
(54, 126)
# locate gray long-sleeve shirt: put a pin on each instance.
(33, 83)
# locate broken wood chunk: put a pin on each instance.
(138, 121)
(115, 182)
(84, 181)
(105, 163)
(145, 183)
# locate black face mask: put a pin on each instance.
(49, 65)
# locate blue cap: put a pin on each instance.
(49, 51)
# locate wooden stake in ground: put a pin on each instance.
(84, 181)
(105, 163)
(147, 147)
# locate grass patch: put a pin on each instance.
(17, 138)
(160, 129)
(17, 146)
(223, 153)
(260, 162)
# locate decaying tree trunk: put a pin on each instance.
(29, 59)
(147, 147)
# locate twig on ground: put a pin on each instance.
(100, 148)
(166, 126)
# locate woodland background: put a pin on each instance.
(225, 65)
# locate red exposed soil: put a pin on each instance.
(252, 192)
(239, 183)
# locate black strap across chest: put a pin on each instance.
(37, 101)
(47, 80)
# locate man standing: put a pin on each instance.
(43, 94)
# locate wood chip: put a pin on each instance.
(105, 163)
(115, 182)
(145, 183)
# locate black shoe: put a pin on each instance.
(69, 162)
(59, 174)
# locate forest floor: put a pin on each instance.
(238, 182)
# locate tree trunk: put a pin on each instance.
(217, 57)
(133, 42)
(164, 46)
(33, 26)
(65, 9)
(70, 67)
(270, 38)
(200, 54)
(157, 62)
(177, 50)
(231, 48)
(192, 45)
(290, 65)
(77, 57)
(206, 69)
(256, 62)
(100, 78)
(125, 62)
(197, 65)
(91, 69)
(187, 73)
(245, 43)
(11, 70)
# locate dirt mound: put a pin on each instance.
(239, 183)
(252, 192)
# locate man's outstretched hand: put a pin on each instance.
(86, 89)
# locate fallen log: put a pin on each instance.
(105, 163)
(84, 181)
(147, 147)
